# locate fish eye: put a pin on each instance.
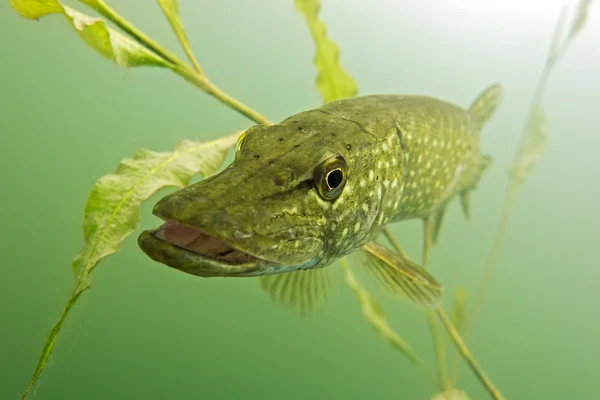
(335, 178)
(332, 178)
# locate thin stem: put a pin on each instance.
(555, 51)
(556, 47)
(188, 52)
(439, 351)
(440, 354)
(108, 12)
(393, 241)
(426, 242)
(376, 319)
(181, 36)
(494, 255)
(203, 83)
(489, 271)
(178, 66)
(468, 357)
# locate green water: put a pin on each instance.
(146, 331)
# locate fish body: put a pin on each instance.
(321, 184)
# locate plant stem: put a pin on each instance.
(468, 357)
(203, 83)
(181, 36)
(370, 311)
(555, 51)
(393, 241)
(108, 12)
(494, 254)
(440, 355)
(178, 66)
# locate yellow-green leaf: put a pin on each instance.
(451, 394)
(105, 40)
(332, 81)
(34, 9)
(374, 315)
(533, 145)
(112, 209)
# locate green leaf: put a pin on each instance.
(332, 81)
(451, 394)
(112, 209)
(533, 145)
(458, 309)
(106, 41)
(374, 315)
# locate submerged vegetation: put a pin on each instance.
(112, 210)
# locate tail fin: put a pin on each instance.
(485, 105)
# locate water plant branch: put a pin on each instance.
(193, 76)
(440, 354)
(467, 356)
(557, 48)
(170, 9)
(393, 241)
(373, 313)
(558, 45)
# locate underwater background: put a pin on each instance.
(146, 331)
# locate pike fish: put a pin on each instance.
(324, 183)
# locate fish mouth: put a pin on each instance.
(199, 252)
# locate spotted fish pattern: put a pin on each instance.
(420, 153)
(324, 183)
(417, 153)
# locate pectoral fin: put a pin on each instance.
(399, 275)
(304, 291)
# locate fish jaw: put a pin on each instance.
(196, 252)
(213, 236)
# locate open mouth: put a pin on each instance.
(200, 252)
(202, 244)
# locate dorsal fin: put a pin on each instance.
(482, 109)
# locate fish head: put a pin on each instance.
(272, 210)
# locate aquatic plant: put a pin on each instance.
(112, 209)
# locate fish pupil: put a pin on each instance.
(335, 178)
